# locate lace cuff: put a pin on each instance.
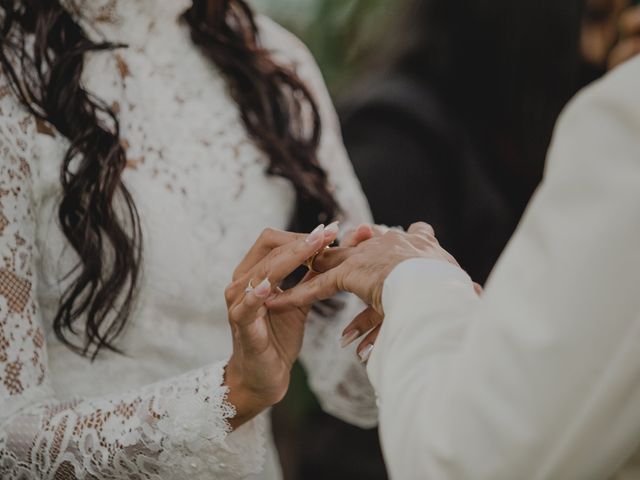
(199, 429)
(174, 429)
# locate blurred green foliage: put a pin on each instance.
(340, 33)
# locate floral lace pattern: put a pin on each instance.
(159, 411)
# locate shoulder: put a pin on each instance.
(600, 128)
(289, 50)
(281, 42)
(616, 94)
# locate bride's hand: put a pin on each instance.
(266, 344)
(362, 270)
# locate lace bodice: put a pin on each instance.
(159, 411)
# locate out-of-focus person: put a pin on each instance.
(537, 377)
(455, 128)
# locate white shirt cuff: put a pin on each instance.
(414, 274)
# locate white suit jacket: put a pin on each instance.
(539, 378)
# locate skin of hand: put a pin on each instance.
(362, 270)
(266, 343)
(629, 44)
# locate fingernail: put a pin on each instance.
(332, 229)
(365, 353)
(348, 338)
(316, 235)
(263, 290)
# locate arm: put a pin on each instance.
(173, 429)
(539, 378)
(335, 375)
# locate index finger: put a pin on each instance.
(421, 228)
(268, 240)
(284, 260)
(331, 258)
(304, 294)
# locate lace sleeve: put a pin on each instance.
(175, 429)
(335, 374)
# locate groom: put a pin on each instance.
(539, 377)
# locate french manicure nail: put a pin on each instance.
(365, 353)
(263, 290)
(332, 229)
(348, 338)
(317, 234)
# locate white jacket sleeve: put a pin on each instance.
(539, 379)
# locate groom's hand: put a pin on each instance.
(362, 270)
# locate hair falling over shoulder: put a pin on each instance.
(43, 48)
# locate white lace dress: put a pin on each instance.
(199, 184)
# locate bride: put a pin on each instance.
(144, 144)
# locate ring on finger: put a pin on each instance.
(249, 288)
(311, 260)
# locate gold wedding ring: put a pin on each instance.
(310, 261)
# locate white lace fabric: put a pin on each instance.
(160, 410)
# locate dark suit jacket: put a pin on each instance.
(417, 161)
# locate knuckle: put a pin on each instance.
(262, 271)
(354, 261)
(232, 290)
(229, 293)
(236, 274)
(266, 235)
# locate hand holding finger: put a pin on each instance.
(271, 239)
(362, 270)
(320, 287)
(280, 262)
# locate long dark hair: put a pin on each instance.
(505, 67)
(42, 52)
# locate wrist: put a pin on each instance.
(245, 402)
